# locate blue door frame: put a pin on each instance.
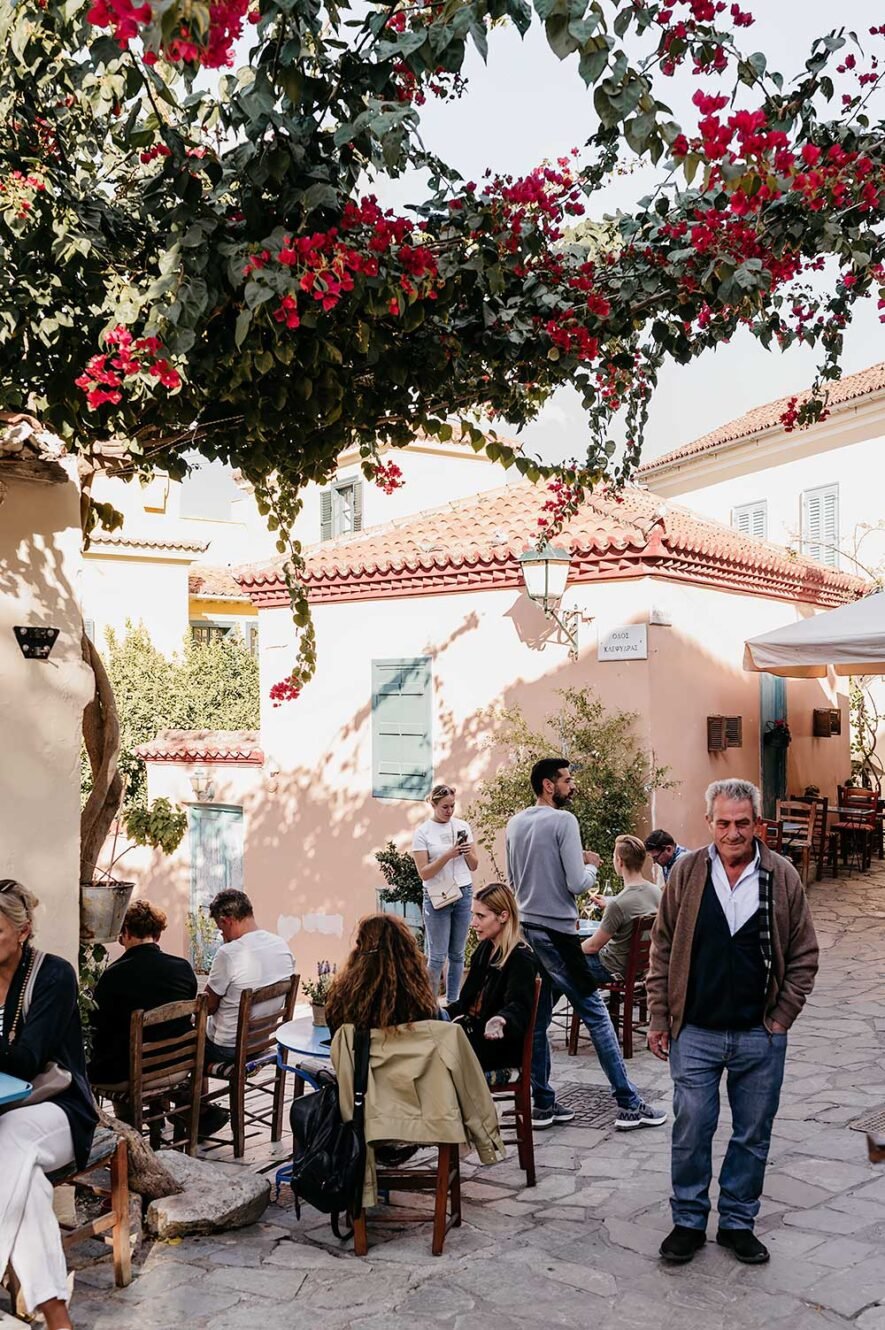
(772, 706)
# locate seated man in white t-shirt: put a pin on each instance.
(250, 958)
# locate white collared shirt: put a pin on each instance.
(741, 901)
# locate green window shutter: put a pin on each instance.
(358, 505)
(326, 515)
(402, 745)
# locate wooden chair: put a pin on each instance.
(158, 1067)
(443, 1179)
(799, 821)
(108, 1156)
(819, 848)
(856, 830)
(773, 834)
(631, 989)
(256, 1051)
(520, 1091)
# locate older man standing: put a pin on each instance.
(734, 956)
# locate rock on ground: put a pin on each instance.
(216, 1197)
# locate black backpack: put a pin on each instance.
(329, 1160)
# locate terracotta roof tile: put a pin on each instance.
(474, 543)
(208, 583)
(212, 746)
(148, 543)
(762, 418)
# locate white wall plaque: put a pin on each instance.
(627, 643)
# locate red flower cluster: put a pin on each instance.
(188, 46)
(571, 337)
(127, 360)
(388, 477)
(158, 150)
(564, 502)
(325, 264)
(17, 193)
(287, 690)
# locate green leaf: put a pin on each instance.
(244, 322)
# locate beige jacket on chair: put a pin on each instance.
(425, 1087)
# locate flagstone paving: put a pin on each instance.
(581, 1247)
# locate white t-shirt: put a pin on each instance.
(437, 837)
(250, 961)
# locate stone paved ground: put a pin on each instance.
(581, 1246)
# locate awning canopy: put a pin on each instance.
(850, 640)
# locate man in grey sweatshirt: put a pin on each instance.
(548, 869)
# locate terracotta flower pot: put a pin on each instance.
(319, 1013)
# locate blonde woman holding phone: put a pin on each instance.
(444, 855)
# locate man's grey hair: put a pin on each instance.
(734, 789)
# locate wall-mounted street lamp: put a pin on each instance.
(36, 643)
(545, 573)
(202, 785)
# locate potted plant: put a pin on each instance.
(203, 936)
(105, 899)
(318, 990)
(777, 734)
(404, 886)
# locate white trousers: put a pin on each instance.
(33, 1141)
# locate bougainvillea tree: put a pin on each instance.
(196, 260)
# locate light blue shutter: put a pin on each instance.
(402, 748)
(216, 839)
(357, 505)
(326, 515)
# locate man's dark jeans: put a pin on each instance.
(753, 1062)
(564, 970)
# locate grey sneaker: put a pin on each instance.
(643, 1115)
(542, 1118)
(563, 1114)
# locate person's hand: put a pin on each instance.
(598, 901)
(592, 859)
(659, 1043)
(495, 1028)
(465, 848)
(777, 1028)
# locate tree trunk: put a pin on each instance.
(101, 734)
(147, 1176)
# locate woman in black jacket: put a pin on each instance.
(40, 1029)
(495, 1003)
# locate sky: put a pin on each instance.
(525, 106)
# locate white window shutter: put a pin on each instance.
(820, 524)
(751, 519)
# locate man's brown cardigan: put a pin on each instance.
(793, 942)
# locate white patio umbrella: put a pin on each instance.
(850, 639)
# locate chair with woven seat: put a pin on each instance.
(799, 820)
(256, 1051)
(624, 993)
(520, 1091)
(856, 830)
(163, 1070)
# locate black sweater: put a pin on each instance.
(492, 991)
(51, 1033)
(144, 977)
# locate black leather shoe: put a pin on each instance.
(745, 1245)
(680, 1245)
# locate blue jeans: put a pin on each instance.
(753, 1062)
(599, 972)
(445, 937)
(557, 978)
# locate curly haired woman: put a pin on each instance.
(384, 981)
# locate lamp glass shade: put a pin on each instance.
(545, 573)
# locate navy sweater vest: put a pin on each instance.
(726, 982)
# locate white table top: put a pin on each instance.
(302, 1036)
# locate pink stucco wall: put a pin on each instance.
(312, 825)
